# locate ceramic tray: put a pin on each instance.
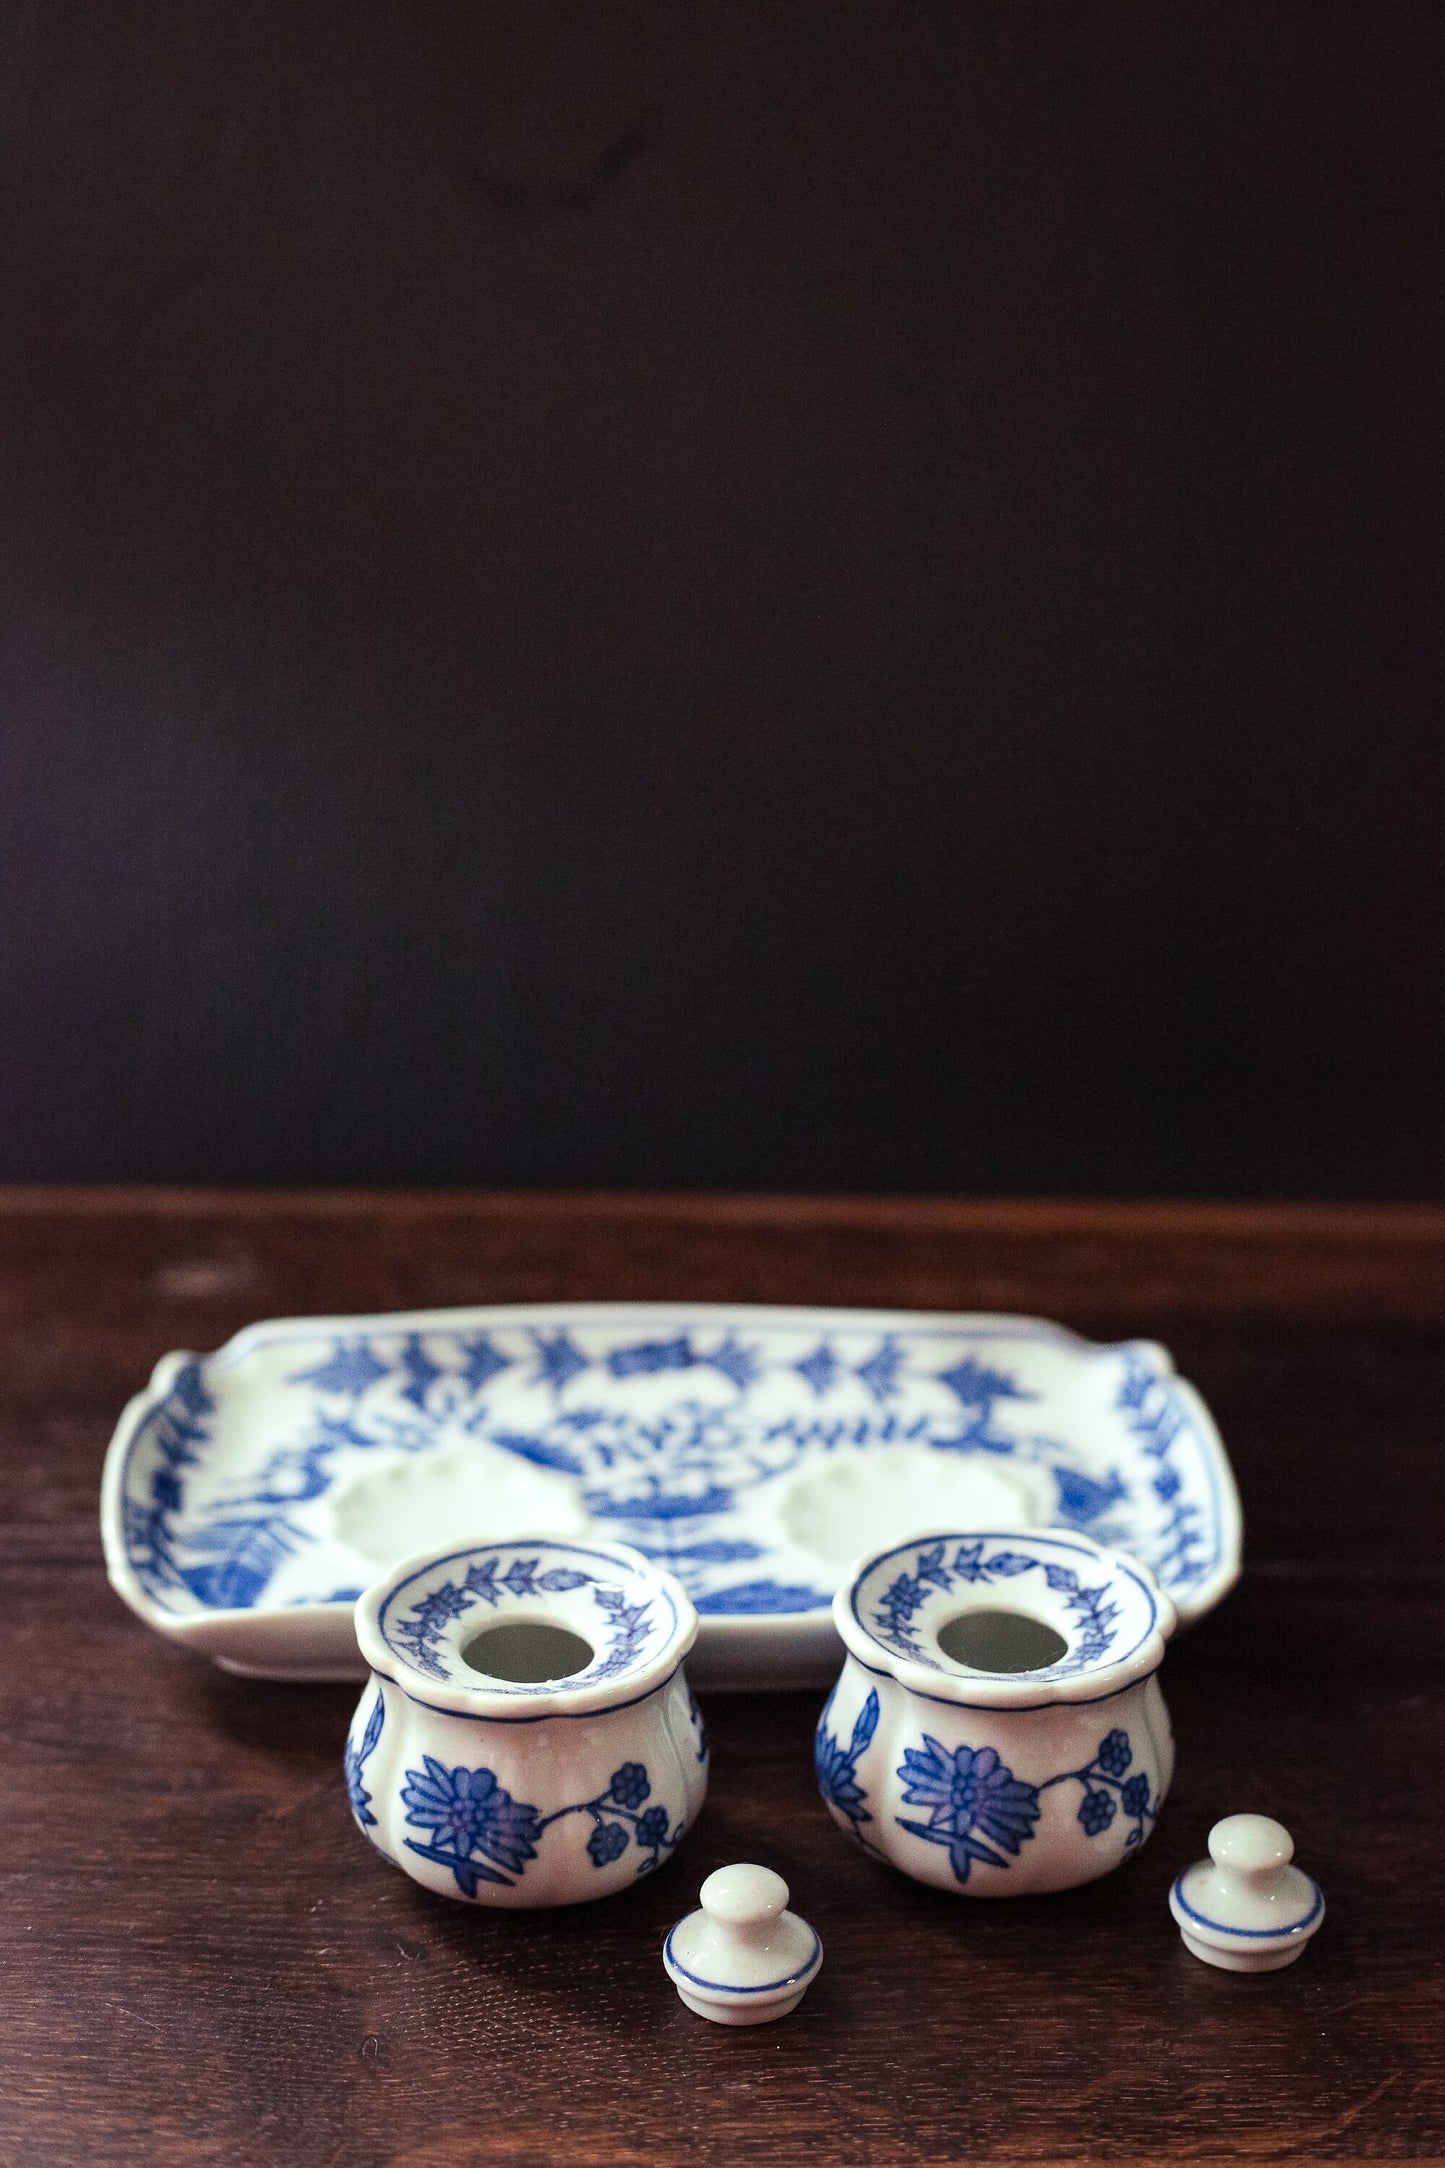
(251, 1494)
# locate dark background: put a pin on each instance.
(754, 594)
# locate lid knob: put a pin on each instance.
(743, 1895)
(1251, 1849)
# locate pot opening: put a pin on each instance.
(527, 1652)
(1001, 1641)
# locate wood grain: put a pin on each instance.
(201, 1962)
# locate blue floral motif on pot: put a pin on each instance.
(629, 1784)
(1114, 1755)
(469, 1812)
(652, 1828)
(972, 1795)
(837, 1766)
(1096, 1811)
(355, 1762)
(607, 1842)
(1134, 1797)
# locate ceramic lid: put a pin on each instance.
(1247, 1893)
(742, 1943)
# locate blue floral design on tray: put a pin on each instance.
(978, 1808)
(483, 1834)
(668, 1430)
(933, 1572)
(1155, 1413)
(226, 1560)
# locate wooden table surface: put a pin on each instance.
(202, 1962)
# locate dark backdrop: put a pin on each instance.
(722, 592)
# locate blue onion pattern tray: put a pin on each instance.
(251, 1494)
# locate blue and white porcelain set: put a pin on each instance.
(995, 1524)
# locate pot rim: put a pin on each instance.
(424, 1661)
(945, 1561)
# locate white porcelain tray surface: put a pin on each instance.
(250, 1495)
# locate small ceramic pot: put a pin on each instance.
(998, 1726)
(483, 1776)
